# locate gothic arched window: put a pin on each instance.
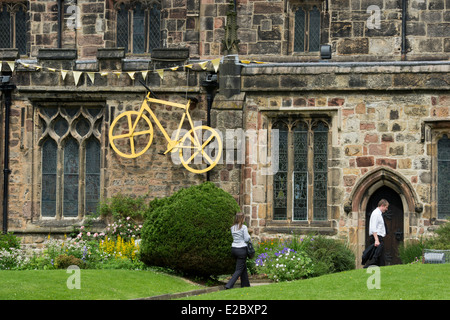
(13, 26)
(138, 26)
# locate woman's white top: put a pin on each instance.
(240, 236)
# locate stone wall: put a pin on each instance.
(355, 32)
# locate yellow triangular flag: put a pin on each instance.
(103, 74)
(51, 69)
(76, 76)
(203, 65)
(216, 63)
(131, 74)
(188, 66)
(26, 65)
(174, 68)
(38, 67)
(245, 61)
(91, 76)
(64, 74)
(144, 74)
(11, 65)
(161, 73)
(117, 74)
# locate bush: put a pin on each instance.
(284, 265)
(120, 207)
(64, 261)
(189, 231)
(442, 240)
(8, 241)
(411, 252)
(329, 255)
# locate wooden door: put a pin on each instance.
(393, 220)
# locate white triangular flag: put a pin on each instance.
(203, 65)
(131, 74)
(144, 74)
(11, 64)
(103, 74)
(1, 65)
(161, 73)
(216, 63)
(91, 76)
(64, 74)
(76, 76)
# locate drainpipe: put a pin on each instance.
(210, 84)
(6, 88)
(404, 6)
(60, 22)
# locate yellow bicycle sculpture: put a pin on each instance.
(131, 134)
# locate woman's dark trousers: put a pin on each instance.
(241, 268)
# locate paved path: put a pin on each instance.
(170, 296)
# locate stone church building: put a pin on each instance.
(349, 98)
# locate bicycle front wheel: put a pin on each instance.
(127, 142)
(200, 149)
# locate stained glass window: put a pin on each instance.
(71, 177)
(70, 147)
(138, 29)
(122, 27)
(49, 169)
(92, 192)
(13, 26)
(280, 182)
(314, 29)
(5, 26)
(140, 25)
(320, 171)
(306, 33)
(300, 185)
(299, 36)
(443, 174)
(301, 171)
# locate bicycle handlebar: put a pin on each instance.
(193, 99)
(148, 89)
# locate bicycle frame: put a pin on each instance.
(145, 107)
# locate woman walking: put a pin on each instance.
(240, 235)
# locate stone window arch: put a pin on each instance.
(13, 25)
(300, 186)
(70, 154)
(138, 25)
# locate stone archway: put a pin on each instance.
(356, 205)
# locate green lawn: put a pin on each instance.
(407, 282)
(94, 285)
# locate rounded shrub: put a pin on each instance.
(190, 231)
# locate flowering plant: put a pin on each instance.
(125, 228)
(284, 265)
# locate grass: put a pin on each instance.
(407, 282)
(95, 285)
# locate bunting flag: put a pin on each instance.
(161, 73)
(132, 74)
(76, 76)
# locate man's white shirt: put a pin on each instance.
(376, 223)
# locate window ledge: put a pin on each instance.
(300, 227)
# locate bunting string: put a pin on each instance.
(132, 74)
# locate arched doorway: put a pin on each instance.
(393, 219)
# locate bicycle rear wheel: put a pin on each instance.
(131, 144)
(200, 149)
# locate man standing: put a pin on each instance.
(377, 232)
